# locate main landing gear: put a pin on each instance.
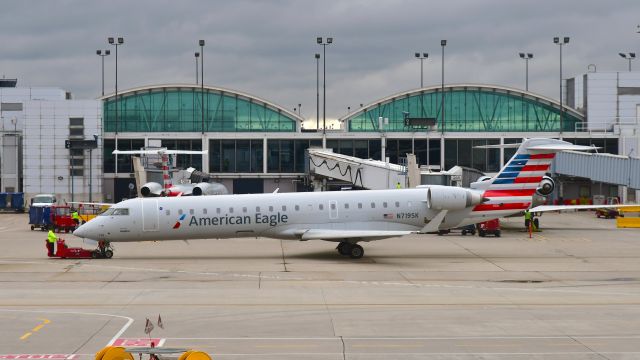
(354, 251)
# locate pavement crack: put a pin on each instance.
(284, 262)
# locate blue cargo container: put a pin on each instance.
(40, 217)
(17, 201)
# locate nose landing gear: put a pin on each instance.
(354, 251)
(104, 250)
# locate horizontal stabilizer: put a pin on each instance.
(561, 147)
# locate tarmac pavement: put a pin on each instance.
(572, 291)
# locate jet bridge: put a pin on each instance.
(364, 173)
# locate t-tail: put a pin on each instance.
(512, 189)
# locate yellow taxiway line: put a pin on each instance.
(35, 329)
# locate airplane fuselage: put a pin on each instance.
(280, 215)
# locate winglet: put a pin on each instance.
(276, 190)
(433, 225)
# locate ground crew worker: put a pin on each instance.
(398, 186)
(51, 241)
(527, 219)
(75, 217)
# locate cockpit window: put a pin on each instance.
(115, 212)
(108, 212)
(121, 211)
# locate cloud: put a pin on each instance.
(266, 48)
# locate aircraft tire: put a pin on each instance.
(108, 254)
(344, 248)
(356, 251)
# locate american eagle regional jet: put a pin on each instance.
(345, 217)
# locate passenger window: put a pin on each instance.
(397, 203)
(284, 208)
(204, 211)
(230, 210)
(321, 207)
(270, 208)
(257, 209)
(373, 205)
(217, 210)
(244, 209)
(384, 204)
(179, 211)
(191, 211)
(409, 203)
(333, 206)
(346, 206)
(359, 205)
(297, 208)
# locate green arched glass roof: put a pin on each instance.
(177, 108)
(468, 108)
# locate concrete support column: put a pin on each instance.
(205, 157)
(383, 148)
(501, 153)
(442, 153)
(264, 156)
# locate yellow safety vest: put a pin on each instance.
(527, 215)
(51, 237)
(74, 215)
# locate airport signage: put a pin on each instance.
(80, 144)
(419, 122)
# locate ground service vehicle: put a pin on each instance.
(491, 227)
(61, 219)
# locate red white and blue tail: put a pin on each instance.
(512, 189)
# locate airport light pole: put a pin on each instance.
(443, 43)
(324, 80)
(317, 56)
(629, 56)
(102, 55)
(560, 43)
(421, 57)
(526, 57)
(116, 42)
(201, 43)
(197, 55)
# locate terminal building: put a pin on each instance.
(256, 146)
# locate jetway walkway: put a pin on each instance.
(606, 168)
(365, 173)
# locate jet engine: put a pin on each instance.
(546, 186)
(204, 188)
(151, 189)
(451, 198)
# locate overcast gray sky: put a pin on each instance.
(266, 48)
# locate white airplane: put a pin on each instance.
(152, 189)
(346, 217)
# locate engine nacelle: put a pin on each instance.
(546, 186)
(209, 189)
(151, 189)
(451, 198)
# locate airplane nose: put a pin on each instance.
(81, 231)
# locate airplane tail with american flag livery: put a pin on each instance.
(512, 189)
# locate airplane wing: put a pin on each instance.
(322, 234)
(545, 208)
